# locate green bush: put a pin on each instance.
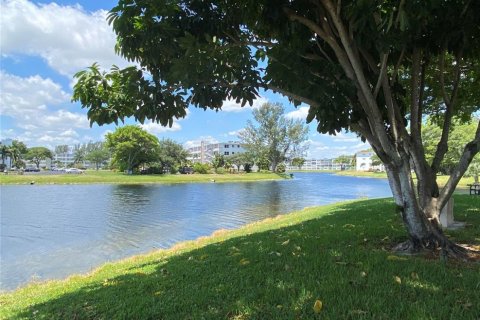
(201, 168)
(220, 170)
(281, 168)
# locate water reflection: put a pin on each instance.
(52, 231)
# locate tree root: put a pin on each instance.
(436, 243)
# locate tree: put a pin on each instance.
(37, 154)
(376, 68)
(218, 161)
(97, 153)
(18, 150)
(237, 159)
(79, 154)
(171, 155)
(5, 152)
(376, 160)
(131, 146)
(274, 136)
(298, 162)
(459, 136)
(344, 159)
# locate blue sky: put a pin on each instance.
(44, 43)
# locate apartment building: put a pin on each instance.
(205, 152)
(317, 164)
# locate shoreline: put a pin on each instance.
(108, 177)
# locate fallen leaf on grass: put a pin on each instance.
(286, 242)
(363, 274)
(398, 279)
(244, 262)
(414, 275)
(317, 307)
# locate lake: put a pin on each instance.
(52, 231)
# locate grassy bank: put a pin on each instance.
(275, 269)
(121, 178)
(442, 180)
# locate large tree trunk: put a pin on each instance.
(424, 232)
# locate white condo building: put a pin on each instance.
(205, 152)
(317, 164)
(364, 160)
(65, 158)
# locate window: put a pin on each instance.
(233, 152)
(226, 146)
(226, 153)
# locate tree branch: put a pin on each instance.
(415, 96)
(382, 74)
(292, 95)
(370, 105)
(471, 149)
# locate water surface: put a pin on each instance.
(51, 231)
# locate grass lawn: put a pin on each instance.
(92, 176)
(276, 269)
(441, 180)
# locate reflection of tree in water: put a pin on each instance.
(128, 212)
(265, 200)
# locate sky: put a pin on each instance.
(43, 44)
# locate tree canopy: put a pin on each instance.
(171, 155)
(372, 67)
(273, 136)
(131, 146)
(460, 134)
(37, 154)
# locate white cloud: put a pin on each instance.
(235, 133)
(27, 97)
(299, 114)
(232, 106)
(29, 101)
(62, 119)
(346, 137)
(197, 142)
(156, 128)
(69, 134)
(104, 133)
(67, 37)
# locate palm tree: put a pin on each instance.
(5, 152)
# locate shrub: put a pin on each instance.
(220, 170)
(247, 167)
(281, 168)
(201, 168)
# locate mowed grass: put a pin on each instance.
(441, 179)
(276, 269)
(92, 176)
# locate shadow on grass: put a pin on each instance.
(339, 258)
